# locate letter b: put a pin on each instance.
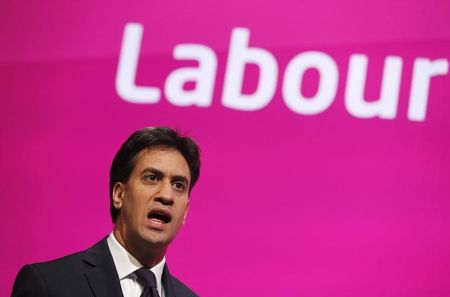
(239, 55)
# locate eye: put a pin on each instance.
(179, 186)
(151, 177)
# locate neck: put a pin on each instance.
(147, 254)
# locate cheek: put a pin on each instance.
(183, 213)
(134, 207)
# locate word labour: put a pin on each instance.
(240, 54)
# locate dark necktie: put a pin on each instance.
(148, 280)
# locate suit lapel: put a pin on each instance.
(102, 276)
(167, 282)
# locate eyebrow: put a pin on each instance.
(161, 174)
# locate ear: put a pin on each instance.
(118, 195)
(186, 212)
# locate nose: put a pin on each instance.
(165, 194)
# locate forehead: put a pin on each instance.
(167, 160)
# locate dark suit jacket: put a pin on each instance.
(88, 273)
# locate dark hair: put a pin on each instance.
(125, 159)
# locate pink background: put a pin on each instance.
(287, 204)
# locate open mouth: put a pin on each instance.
(160, 216)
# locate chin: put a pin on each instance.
(156, 240)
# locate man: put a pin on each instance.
(150, 180)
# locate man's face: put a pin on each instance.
(154, 202)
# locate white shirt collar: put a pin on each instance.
(126, 264)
